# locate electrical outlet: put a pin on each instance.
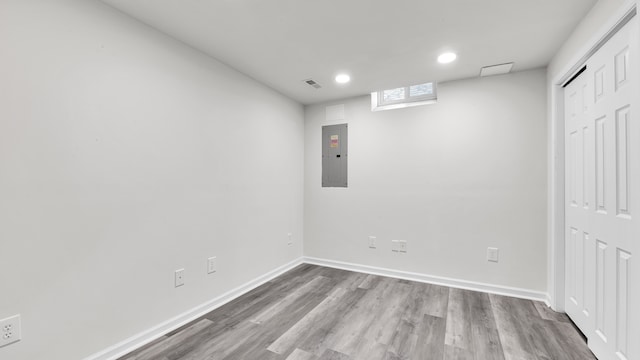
(179, 280)
(211, 265)
(372, 242)
(492, 254)
(10, 330)
(399, 246)
(290, 239)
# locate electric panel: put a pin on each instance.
(334, 155)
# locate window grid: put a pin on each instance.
(407, 94)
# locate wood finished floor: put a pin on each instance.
(318, 313)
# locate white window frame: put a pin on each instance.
(378, 103)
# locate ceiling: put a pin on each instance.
(381, 44)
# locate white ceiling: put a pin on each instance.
(381, 44)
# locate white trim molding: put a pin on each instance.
(147, 336)
(431, 279)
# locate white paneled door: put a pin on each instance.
(602, 206)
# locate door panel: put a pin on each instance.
(579, 178)
(334, 155)
(602, 138)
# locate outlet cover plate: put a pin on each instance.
(372, 242)
(289, 239)
(212, 265)
(10, 330)
(492, 254)
(179, 277)
(399, 246)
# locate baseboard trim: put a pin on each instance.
(157, 331)
(547, 301)
(438, 280)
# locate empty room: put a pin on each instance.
(316, 180)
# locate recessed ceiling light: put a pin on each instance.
(447, 58)
(343, 78)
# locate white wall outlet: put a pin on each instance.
(372, 242)
(179, 277)
(492, 254)
(289, 239)
(10, 330)
(212, 265)
(402, 246)
(399, 246)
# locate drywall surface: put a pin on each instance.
(125, 155)
(452, 179)
(581, 38)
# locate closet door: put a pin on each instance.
(602, 137)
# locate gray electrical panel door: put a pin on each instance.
(334, 155)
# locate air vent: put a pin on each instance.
(500, 69)
(311, 82)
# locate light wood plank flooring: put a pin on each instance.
(318, 313)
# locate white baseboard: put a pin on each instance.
(154, 333)
(454, 283)
(547, 301)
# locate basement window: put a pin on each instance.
(413, 95)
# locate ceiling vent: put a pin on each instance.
(311, 82)
(499, 69)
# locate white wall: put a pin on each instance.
(452, 178)
(579, 42)
(125, 155)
